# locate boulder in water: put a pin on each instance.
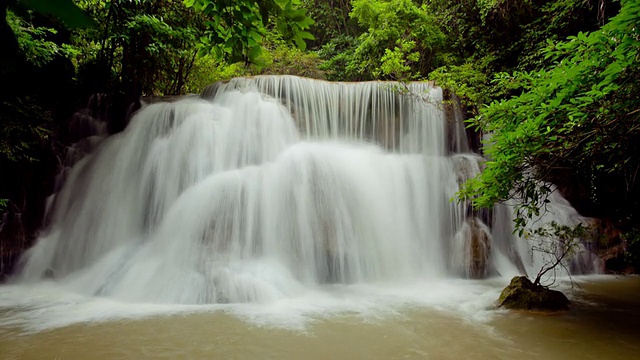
(522, 294)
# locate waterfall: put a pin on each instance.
(268, 185)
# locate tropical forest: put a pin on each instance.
(319, 179)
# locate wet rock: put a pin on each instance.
(522, 294)
(615, 261)
(479, 249)
(471, 251)
(611, 248)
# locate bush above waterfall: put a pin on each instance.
(575, 123)
(401, 40)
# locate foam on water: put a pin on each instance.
(47, 306)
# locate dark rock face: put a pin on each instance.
(612, 248)
(29, 184)
(12, 228)
(522, 294)
(479, 249)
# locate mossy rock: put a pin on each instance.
(522, 294)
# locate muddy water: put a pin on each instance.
(604, 323)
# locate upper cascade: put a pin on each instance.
(267, 185)
(408, 118)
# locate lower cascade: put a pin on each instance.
(262, 187)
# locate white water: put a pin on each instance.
(268, 190)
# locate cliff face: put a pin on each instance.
(614, 204)
(28, 188)
(29, 184)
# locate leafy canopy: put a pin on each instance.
(65, 10)
(235, 29)
(401, 41)
(581, 115)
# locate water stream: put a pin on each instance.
(603, 323)
(288, 202)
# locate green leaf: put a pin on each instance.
(254, 53)
(65, 10)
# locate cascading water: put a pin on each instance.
(267, 186)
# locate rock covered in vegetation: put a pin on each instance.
(522, 294)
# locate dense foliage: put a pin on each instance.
(401, 40)
(575, 123)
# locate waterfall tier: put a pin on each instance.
(265, 186)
